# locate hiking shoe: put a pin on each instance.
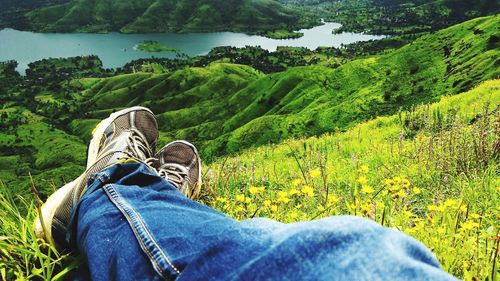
(179, 163)
(129, 135)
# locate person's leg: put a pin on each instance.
(133, 225)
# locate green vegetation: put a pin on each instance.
(225, 108)
(139, 16)
(303, 101)
(429, 172)
(154, 46)
(12, 12)
(398, 16)
(376, 148)
(283, 34)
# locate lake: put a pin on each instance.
(116, 49)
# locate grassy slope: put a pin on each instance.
(236, 110)
(435, 183)
(164, 16)
(431, 172)
(225, 108)
(35, 147)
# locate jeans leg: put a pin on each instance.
(133, 225)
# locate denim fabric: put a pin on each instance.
(133, 225)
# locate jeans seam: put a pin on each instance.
(138, 226)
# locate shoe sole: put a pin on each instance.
(98, 132)
(49, 209)
(198, 185)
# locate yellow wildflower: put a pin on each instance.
(402, 193)
(451, 203)
(293, 191)
(390, 182)
(366, 208)
(441, 208)
(254, 190)
(315, 173)
(298, 206)
(308, 191)
(240, 198)
(367, 189)
(332, 199)
(283, 197)
(394, 188)
(364, 169)
(296, 182)
(267, 203)
(417, 190)
(468, 225)
(362, 180)
(221, 199)
(405, 183)
(321, 208)
(282, 194)
(274, 208)
(397, 180)
(293, 215)
(239, 209)
(432, 208)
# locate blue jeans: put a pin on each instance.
(133, 225)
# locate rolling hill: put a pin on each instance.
(136, 16)
(225, 108)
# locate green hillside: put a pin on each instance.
(430, 172)
(398, 16)
(225, 108)
(133, 16)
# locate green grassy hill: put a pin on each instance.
(135, 16)
(225, 108)
(431, 172)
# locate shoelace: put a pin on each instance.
(137, 143)
(174, 173)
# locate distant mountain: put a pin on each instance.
(133, 16)
(12, 11)
(399, 16)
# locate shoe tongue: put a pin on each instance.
(177, 153)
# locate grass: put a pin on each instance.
(22, 255)
(431, 172)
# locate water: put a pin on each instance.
(116, 49)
